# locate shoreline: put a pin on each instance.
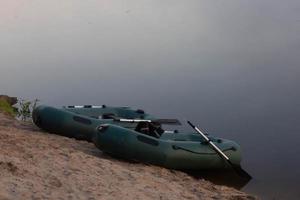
(38, 165)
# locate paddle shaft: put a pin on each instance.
(133, 120)
(161, 121)
(209, 141)
(237, 168)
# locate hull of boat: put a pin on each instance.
(69, 124)
(170, 150)
(167, 151)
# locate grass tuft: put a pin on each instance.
(7, 108)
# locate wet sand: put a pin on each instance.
(38, 165)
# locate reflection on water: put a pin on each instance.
(232, 67)
(221, 177)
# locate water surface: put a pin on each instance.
(232, 67)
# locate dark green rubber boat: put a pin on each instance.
(136, 136)
(171, 150)
(80, 121)
(107, 112)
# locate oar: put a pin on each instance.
(161, 121)
(236, 167)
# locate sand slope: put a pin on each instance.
(38, 165)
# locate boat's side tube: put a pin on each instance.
(132, 145)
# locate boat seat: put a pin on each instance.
(150, 129)
(108, 116)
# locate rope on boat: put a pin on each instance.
(184, 149)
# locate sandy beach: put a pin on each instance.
(38, 165)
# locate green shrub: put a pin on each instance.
(25, 108)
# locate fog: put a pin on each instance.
(232, 67)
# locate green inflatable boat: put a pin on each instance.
(108, 112)
(80, 121)
(135, 135)
(171, 150)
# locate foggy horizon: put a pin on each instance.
(232, 67)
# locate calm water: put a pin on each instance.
(232, 67)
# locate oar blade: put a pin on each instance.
(240, 171)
